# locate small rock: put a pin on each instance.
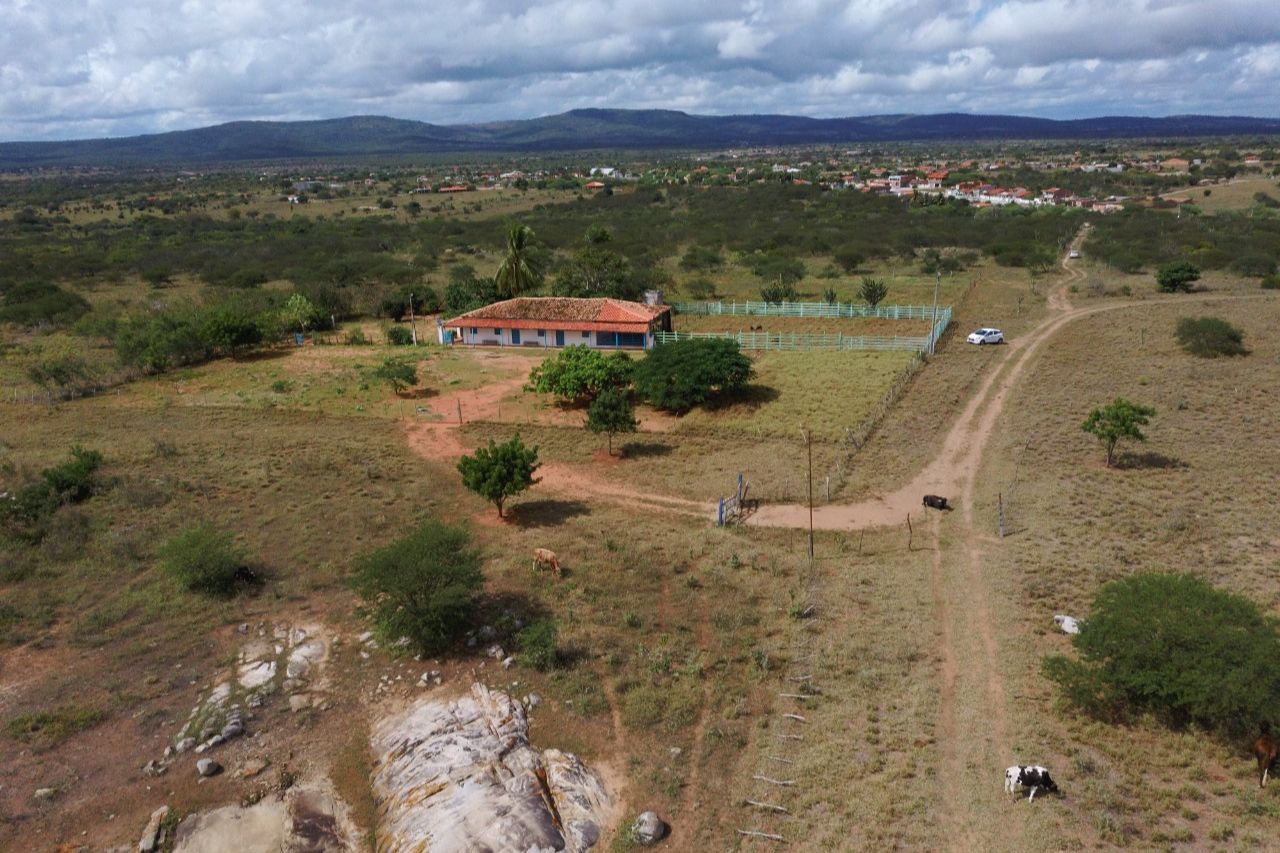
(675, 751)
(168, 752)
(252, 767)
(216, 740)
(154, 768)
(488, 632)
(208, 767)
(202, 748)
(299, 701)
(43, 794)
(243, 628)
(1068, 624)
(232, 729)
(152, 835)
(648, 829)
(495, 651)
(533, 700)
(508, 662)
(365, 637)
(364, 655)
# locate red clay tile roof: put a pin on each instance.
(563, 312)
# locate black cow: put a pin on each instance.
(1033, 778)
(936, 501)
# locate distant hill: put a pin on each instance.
(361, 136)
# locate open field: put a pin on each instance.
(1237, 194)
(891, 681)
(870, 326)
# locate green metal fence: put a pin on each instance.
(837, 310)
(802, 342)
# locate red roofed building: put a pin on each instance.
(595, 185)
(558, 321)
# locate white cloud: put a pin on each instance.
(94, 67)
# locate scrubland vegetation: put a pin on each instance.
(175, 466)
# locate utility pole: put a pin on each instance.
(808, 443)
(413, 327)
(937, 282)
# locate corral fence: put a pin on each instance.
(835, 310)
(805, 341)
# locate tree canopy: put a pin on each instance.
(1174, 646)
(611, 413)
(1209, 337)
(1177, 275)
(521, 269)
(679, 375)
(578, 373)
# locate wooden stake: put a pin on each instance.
(910, 532)
(769, 806)
(752, 833)
(760, 778)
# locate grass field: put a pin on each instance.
(1236, 195)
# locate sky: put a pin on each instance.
(91, 68)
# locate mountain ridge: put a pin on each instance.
(588, 129)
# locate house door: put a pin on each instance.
(559, 337)
(515, 337)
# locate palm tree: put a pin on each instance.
(521, 269)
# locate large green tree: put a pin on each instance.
(594, 271)
(1119, 419)
(1177, 275)
(683, 374)
(500, 471)
(578, 372)
(1175, 647)
(521, 269)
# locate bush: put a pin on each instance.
(422, 587)
(41, 302)
(538, 645)
(1175, 647)
(1177, 275)
(680, 375)
(1209, 337)
(399, 375)
(73, 480)
(400, 336)
(701, 258)
(205, 559)
(1271, 282)
(872, 291)
(1118, 419)
(701, 288)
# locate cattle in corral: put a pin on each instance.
(546, 558)
(936, 502)
(1032, 778)
(1265, 749)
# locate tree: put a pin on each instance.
(205, 559)
(397, 373)
(594, 272)
(597, 234)
(1173, 646)
(467, 295)
(1209, 337)
(829, 296)
(521, 269)
(578, 373)
(422, 586)
(1177, 275)
(500, 471)
(1120, 419)
(680, 375)
(231, 328)
(611, 413)
(60, 371)
(873, 290)
(298, 313)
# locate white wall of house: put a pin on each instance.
(532, 338)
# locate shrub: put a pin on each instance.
(1209, 337)
(611, 413)
(538, 645)
(46, 729)
(1177, 275)
(701, 288)
(1271, 282)
(205, 559)
(73, 480)
(680, 375)
(500, 471)
(873, 291)
(399, 375)
(779, 292)
(1175, 647)
(41, 302)
(422, 587)
(356, 338)
(849, 259)
(701, 258)
(399, 336)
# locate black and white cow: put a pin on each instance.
(1034, 778)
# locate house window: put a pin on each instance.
(474, 330)
(586, 334)
(542, 333)
(498, 332)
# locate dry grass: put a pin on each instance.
(1236, 195)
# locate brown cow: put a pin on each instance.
(1265, 750)
(543, 557)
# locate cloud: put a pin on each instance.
(118, 67)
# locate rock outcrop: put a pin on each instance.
(454, 776)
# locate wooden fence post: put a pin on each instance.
(910, 532)
(1000, 511)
